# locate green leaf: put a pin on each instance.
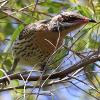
(14, 36)
(50, 10)
(16, 33)
(80, 45)
(84, 10)
(2, 37)
(73, 1)
(8, 63)
(57, 57)
(93, 44)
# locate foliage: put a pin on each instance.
(15, 14)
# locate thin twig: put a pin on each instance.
(84, 91)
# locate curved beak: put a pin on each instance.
(92, 20)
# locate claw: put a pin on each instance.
(5, 82)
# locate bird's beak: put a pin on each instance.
(92, 20)
(86, 20)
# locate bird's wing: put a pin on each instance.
(27, 31)
(32, 28)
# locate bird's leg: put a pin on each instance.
(14, 65)
(43, 69)
(6, 81)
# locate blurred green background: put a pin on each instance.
(15, 14)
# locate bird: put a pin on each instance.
(38, 41)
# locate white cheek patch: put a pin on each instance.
(65, 24)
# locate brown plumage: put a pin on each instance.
(37, 41)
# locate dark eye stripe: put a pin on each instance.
(73, 18)
(70, 18)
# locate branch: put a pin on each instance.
(9, 13)
(61, 74)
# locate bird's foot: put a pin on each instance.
(4, 81)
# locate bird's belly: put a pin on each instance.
(28, 55)
(31, 61)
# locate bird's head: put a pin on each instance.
(71, 17)
(70, 21)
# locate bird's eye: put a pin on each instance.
(72, 18)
